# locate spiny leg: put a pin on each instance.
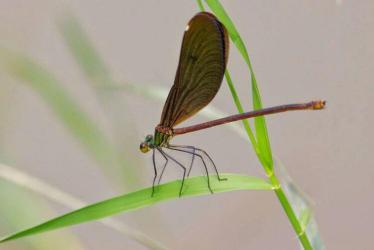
(174, 147)
(180, 164)
(207, 155)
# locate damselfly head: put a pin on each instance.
(147, 144)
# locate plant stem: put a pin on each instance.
(300, 231)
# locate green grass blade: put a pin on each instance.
(194, 186)
(59, 100)
(263, 143)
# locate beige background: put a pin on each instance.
(300, 50)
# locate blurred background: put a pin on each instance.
(82, 83)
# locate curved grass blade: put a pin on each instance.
(194, 186)
(263, 143)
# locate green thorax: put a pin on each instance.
(161, 139)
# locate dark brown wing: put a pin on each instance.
(201, 68)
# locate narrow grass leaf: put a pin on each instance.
(194, 186)
(264, 149)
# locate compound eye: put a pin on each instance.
(144, 148)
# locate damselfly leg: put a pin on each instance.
(155, 169)
(204, 153)
(178, 163)
(194, 152)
